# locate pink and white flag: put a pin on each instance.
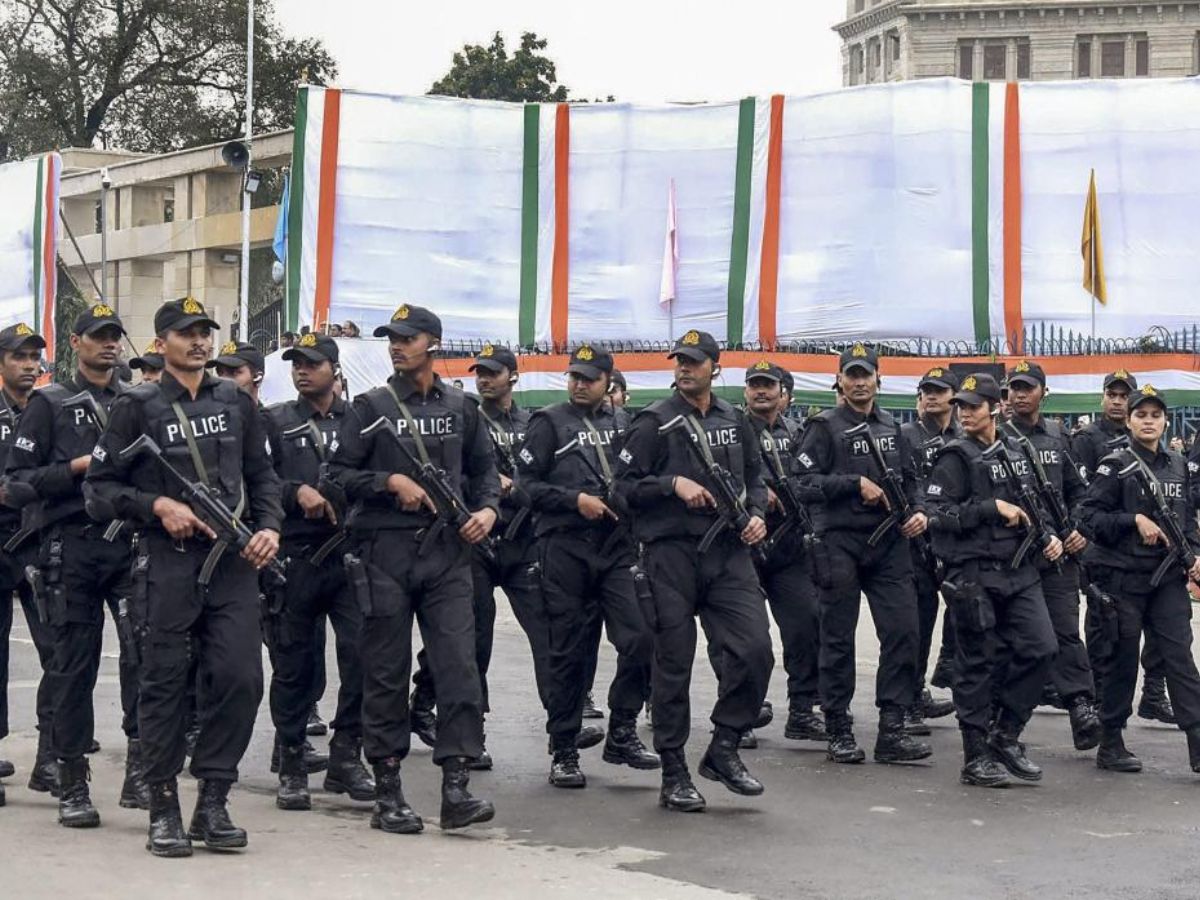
(670, 264)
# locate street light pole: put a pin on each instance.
(244, 300)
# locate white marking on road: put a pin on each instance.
(883, 809)
(1115, 834)
(978, 823)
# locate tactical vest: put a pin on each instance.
(75, 434)
(925, 446)
(506, 433)
(571, 471)
(852, 456)
(10, 519)
(990, 540)
(1053, 446)
(1174, 481)
(300, 458)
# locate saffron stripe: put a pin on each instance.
(1013, 320)
(980, 173)
(558, 280)
(740, 249)
(295, 225)
(38, 243)
(327, 207)
(527, 314)
(768, 286)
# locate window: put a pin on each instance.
(1143, 58)
(1023, 66)
(995, 62)
(876, 56)
(1112, 59)
(1085, 60)
(966, 62)
(894, 39)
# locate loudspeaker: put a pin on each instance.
(235, 154)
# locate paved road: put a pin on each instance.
(820, 831)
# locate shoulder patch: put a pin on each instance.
(934, 490)
(626, 457)
(1104, 469)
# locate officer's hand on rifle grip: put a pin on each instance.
(506, 485)
(1075, 543)
(871, 493)
(479, 526)
(694, 495)
(314, 505)
(1054, 550)
(755, 531)
(179, 521)
(773, 504)
(262, 548)
(593, 508)
(410, 496)
(79, 465)
(915, 525)
(1150, 533)
(1013, 515)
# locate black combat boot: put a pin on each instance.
(392, 812)
(803, 724)
(422, 717)
(75, 808)
(722, 763)
(678, 792)
(842, 746)
(166, 836)
(292, 792)
(43, 778)
(459, 808)
(1052, 698)
(932, 708)
(7, 769)
(1112, 755)
(315, 727)
(483, 762)
(766, 715)
(1008, 749)
(590, 710)
(1154, 705)
(623, 746)
(314, 760)
(347, 774)
(135, 793)
(980, 768)
(1193, 739)
(914, 721)
(589, 736)
(748, 740)
(211, 822)
(1085, 724)
(892, 745)
(565, 771)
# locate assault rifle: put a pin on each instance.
(795, 513)
(1027, 499)
(1179, 551)
(575, 448)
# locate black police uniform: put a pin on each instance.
(585, 565)
(994, 604)
(1165, 610)
(719, 585)
(846, 566)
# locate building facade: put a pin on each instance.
(1019, 40)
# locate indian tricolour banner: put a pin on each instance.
(29, 244)
(936, 209)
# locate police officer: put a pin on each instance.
(414, 561)
(241, 363)
(978, 529)
(1094, 442)
(674, 502)
(150, 364)
(84, 564)
(934, 427)
(1124, 523)
(193, 594)
(852, 510)
(303, 434)
(1071, 673)
(20, 365)
(586, 550)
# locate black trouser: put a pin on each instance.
(219, 625)
(436, 590)
(1152, 658)
(1166, 613)
(12, 578)
(721, 587)
(577, 580)
(884, 573)
(1023, 634)
(928, 601)
(313, 592)
(1071, 672)
(95, 572)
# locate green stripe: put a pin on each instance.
(740, 250)
(295, 238)
(38, 246)
(527, 322)
(980, 171)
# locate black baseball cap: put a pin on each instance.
(313, 347)
(619, 379)
(96, 317)
(235, 354)
(150, 359)
(408, 320)
(1148, 393)
(14, 337)
(1027, 372)
(1121, 376)
(976, 389)
(696, 346)
(764, 368)
(182, 314)
(860, 356)
(494, 359)
(590, 362)
(940, 377)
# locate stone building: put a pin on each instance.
(993, 40)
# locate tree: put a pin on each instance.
(489, 73)
(145, 75)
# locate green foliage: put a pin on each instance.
(489, 73)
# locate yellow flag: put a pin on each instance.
(1091, 246)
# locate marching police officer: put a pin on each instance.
(934, 427)
(566, 468)
(979, 529)
(193, 594)
(20, 365)
(420, 437)
(150, 364)
(241, 363)
(84, 564)
(1071, 673)
(686, 460)
(1097, 440)
(862, 551)
(1122, 514)
(303, 434)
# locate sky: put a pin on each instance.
(651, 51)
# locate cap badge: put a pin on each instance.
(151, 347)
(1121, 374)
(969, 383)
(487, 351)
(1022, 366)
(102, 311)
(401, 313)
(859, 351)
(1149, 391)
(229, 348)
(308, 340)
(762, 366)
(192, 308)
(935, 373)
(585, 353)
(691, 339)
